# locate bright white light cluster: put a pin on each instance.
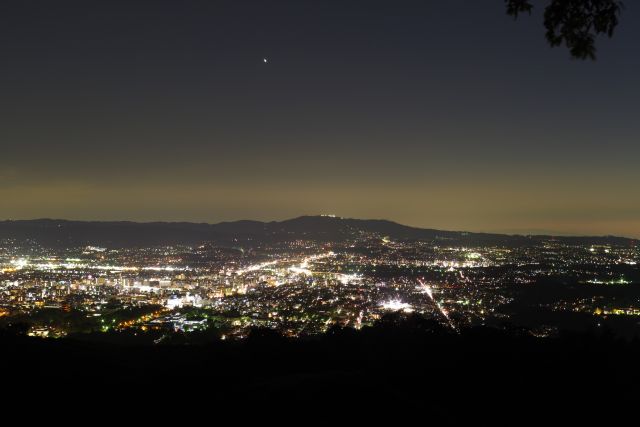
(397, 305)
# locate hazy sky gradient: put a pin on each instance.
(437, 114)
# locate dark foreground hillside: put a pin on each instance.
(400, 368)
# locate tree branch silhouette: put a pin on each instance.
(574, 23)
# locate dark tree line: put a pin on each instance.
(574, 23)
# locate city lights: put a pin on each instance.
(301, 286)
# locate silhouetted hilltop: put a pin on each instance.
(64, 233)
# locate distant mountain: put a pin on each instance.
(63, 233)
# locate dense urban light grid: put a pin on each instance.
(303, 286)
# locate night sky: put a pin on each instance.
(443, 114)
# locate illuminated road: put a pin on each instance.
(302, 268)
(427, 290)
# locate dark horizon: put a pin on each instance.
(313, 216)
